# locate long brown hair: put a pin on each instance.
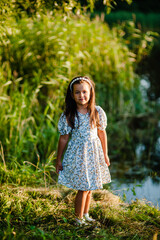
(71, 107)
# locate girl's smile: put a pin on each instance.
(81, 93)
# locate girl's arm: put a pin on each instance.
(103, 138)
(63, 140)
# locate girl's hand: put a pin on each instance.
(107, 160)
(59, 167)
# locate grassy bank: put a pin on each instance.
(48, 213)
(33, 206)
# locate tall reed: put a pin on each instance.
(39, 56)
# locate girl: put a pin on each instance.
(85, 163)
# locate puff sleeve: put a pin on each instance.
(102, 118)
(63, 126)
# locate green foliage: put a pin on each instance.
(40, 55)
(28, 173)
(20, 8)
(47, 213)
(149, 21)
(144, 6)
(40, 52)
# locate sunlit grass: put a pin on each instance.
(38, 58)
(48, 213)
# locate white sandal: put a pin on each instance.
(80, 222)
(87, 218)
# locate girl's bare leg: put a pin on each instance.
(87, 204)
(80, 203)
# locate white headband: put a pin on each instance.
(80, 78)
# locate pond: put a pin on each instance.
(139, 177)
(135, 172)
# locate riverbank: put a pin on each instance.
(48, 213)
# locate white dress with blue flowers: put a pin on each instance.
(84, 166)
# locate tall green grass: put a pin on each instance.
(39, 56)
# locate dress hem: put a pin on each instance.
(90, 189)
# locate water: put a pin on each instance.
(145, 190)
(144, 86)
(138, 174)
(138, 178)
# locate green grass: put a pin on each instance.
(34, 206)
(48, 213)
(39, 56)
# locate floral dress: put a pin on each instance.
(84, 166)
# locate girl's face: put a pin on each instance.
(81, 93)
